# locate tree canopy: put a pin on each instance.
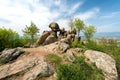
(89, 31)
(79, 25)
(31, 31)
(9, 39)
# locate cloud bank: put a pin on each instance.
(16, 14)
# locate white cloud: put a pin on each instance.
(88, 14)
(109, 27)
(16, 14)
(111, 15)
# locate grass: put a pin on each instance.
(54, 60)
(79, 70)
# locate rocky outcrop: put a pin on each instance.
(103, 62)
(50, 39)
(63, 46)
(70, 56)
(43, 37)
(8, 55)
(50, 36)
(54, 26)
(72, 53)
(28, 68)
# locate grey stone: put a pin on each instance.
(43, 37)
(28, 68)
(104, 62)
(50, 39)
(63, 46)
(8, 55)
(70, 56)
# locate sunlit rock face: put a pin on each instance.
(104, 62)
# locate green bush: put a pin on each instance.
(76, 44)
(54, 60)
(9, 39)
(79, 70)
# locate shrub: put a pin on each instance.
(79, 70)
(9, 39)
(53, 60)
(76, 44)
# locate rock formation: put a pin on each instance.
(8, 55)
(103, 62)
(51, 36)
(28, 68)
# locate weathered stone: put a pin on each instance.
(54, 34)
(70, 56)
(63, 33)
(103, 62)
(28, 69)
(50, 39)
(63, 46)
(54, 26)
(8, 55)
(41, 40)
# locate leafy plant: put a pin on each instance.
(89, 31)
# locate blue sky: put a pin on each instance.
(103, 14)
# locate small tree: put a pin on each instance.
(89, 32)
(31, 31)
(79, 25)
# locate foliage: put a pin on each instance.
(76, 44)
(79, 70)
(9, 39)
(79, 25)
(53, 59)
(89, 31)
(94, 46)
(30, 32)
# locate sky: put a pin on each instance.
(103, 14)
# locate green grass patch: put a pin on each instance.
(79, 70)
(53, 60)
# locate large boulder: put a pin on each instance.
(54, 26)
(8, 55)
(103, 62)
(28, 68)
(50, 39)
(43, 37)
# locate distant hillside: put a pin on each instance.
(108, 34)
(115, 35)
